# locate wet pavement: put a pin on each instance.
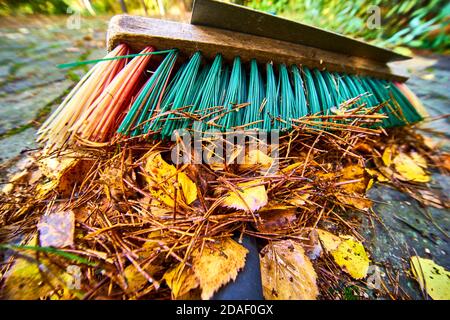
(30, 83)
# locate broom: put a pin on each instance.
(209, 78)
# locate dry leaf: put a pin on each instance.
(217, 265)
(347, 252)
(211, 269)
(351, 256)
(135, 279)
(29, 279)
(431, 277)
(287, 273)
(276, 217)
(73, 176)
(291, 167)
(181, 280)
(252, 196)
(369, 185)
(356, 201)
(445, 161)
(329, 241)
(388, 155)
(409, 169)
(256, 157)
(54, 167)
(377, 174)
(43, 189)
(354, 192)
(57, 229)
(299, 199)
(419, 159)
(163, 179)
(430, 143)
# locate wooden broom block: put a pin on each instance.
(139, 32)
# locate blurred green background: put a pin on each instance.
(422, 24)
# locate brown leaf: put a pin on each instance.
(218, 264)
(249, 196)
(276, 217)
(354, 184)
(181, 280)
(31, 279)
(287, 273)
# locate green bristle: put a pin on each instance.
(361, 89)
(287, 99)
(408, 110)
(324, 96)
(299, 90)
(311, 94)
(209, 93)
(382, 96)
(255, 97)
(178, 96)
(332, 88)
(350, 85)
(372, 100)
(225, 79)
(155, 124)
(344, 92)
(198, 85)
(235, 94)
(149, 97)
(271, 108)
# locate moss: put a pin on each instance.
(40, 116)
(16, 130)
(350, 293)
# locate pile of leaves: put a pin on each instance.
(123, 222)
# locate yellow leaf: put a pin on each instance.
(419, 159)
(291, 167)
(437, 279)
(54, 166)
(353, 172)
(409, 169)
(287, 273)
(329, 241)
(357, 201)
(351, 256)
(29, 279)
(163, 179)
(369, 185)
(251, 196)
(299, 200)
(211, 269)
(377, 174)
(387, 156)
(355, 190)
(135, 279)
(42, 190)
(347, 252)
(217, 265)
(181, 280)
(256, 157)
